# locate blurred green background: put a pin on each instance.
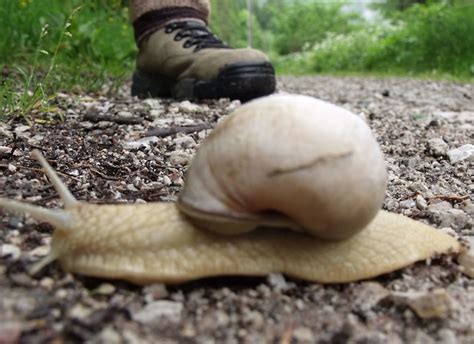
(76, 45)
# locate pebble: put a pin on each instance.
(466, 259)
(278, 282)
(438, 147)
(155, 292)
(303, 335)
(185, 142)
(462, 153)
(179, 158)
(105, 289)
(145, 142)
(446, 336)
(108, 335)
(158, 311)
(4, 150)
(22, 131)
(188, 107)
(80, 312)
(407, 204)
(368, 295)
(454, 218)
(421, 202)
(5, 131)
(12, 251)
(426, 304)
(440, 206)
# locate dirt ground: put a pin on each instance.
(120, 149)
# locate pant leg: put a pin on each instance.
(140, 7)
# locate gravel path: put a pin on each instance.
(118, 149)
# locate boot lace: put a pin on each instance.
(195, 34)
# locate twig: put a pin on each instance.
(93, 117)
(100, 174)
(163, 132)
(450, 198)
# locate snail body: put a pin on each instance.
(239, 181)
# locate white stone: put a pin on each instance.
(462, 153)
(145, 142)
(421, 202)
(179, 158)
(158, 311)
(188, 107)
(10, 250)
(438, 147)
(5, 150)
(303, 335)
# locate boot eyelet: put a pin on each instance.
(178, 37)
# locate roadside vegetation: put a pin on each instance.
(50, 46)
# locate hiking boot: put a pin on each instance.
(184, 60)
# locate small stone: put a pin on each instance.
(462, 153)
(440, 206)
(155, 291)
(438, 147)
(454, 218)
(278, 282)
(158, 311)
(431, 304)
(188, 107)
(421, 202)
(185, 142)
(5, 132)
(105, 289)
(5, 150)
(108, 335)
(46, 283)
(179, 158)
(303, 335)
(407, 204)
(447, 336)
(80, 312)
(466, 259)
(145, 142)
(22, 131)
(125, 114)
(368, 295)
(11, 251)
(11, 168)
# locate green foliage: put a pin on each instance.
(49, 46)
(99, 35)
(304, 22)
(436, 38)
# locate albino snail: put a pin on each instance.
(280, 161)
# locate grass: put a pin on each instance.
(55, 46)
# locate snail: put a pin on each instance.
(286, 184)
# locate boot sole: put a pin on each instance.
(243, 81)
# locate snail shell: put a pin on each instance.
(291, 161)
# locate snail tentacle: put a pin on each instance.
(66, 196)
